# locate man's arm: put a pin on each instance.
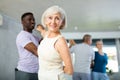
(32, 48)
(72, 42)
(41, 29)
(92, 64)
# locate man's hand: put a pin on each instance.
(40, 28)
(72, 42)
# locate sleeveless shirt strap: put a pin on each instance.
(46, 36)
(59, 36)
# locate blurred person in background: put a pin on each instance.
(84, 55)
(100, 62)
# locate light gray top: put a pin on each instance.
(84, 54)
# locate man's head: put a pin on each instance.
(28, 21)
(87, 39)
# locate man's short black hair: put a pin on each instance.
(26, 14)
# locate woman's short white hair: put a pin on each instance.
(52, 10)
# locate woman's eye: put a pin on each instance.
(50, 17)
(58, 18)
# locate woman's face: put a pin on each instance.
(99, 45)
(53, 22)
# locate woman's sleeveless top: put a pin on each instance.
(50, 62)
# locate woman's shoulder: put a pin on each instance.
(61, 39)
(105, 54)
(96, 53)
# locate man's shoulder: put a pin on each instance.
(22, 35)
(80, 44)
(77, 45)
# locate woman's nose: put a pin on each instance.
(53, 21)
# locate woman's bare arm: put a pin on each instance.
(63, 49)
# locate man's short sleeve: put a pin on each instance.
(92, 54)
(24, 40)
(72, 49)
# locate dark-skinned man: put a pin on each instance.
(27, 43)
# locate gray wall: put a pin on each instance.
(8, 50)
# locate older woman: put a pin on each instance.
(53, 50)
